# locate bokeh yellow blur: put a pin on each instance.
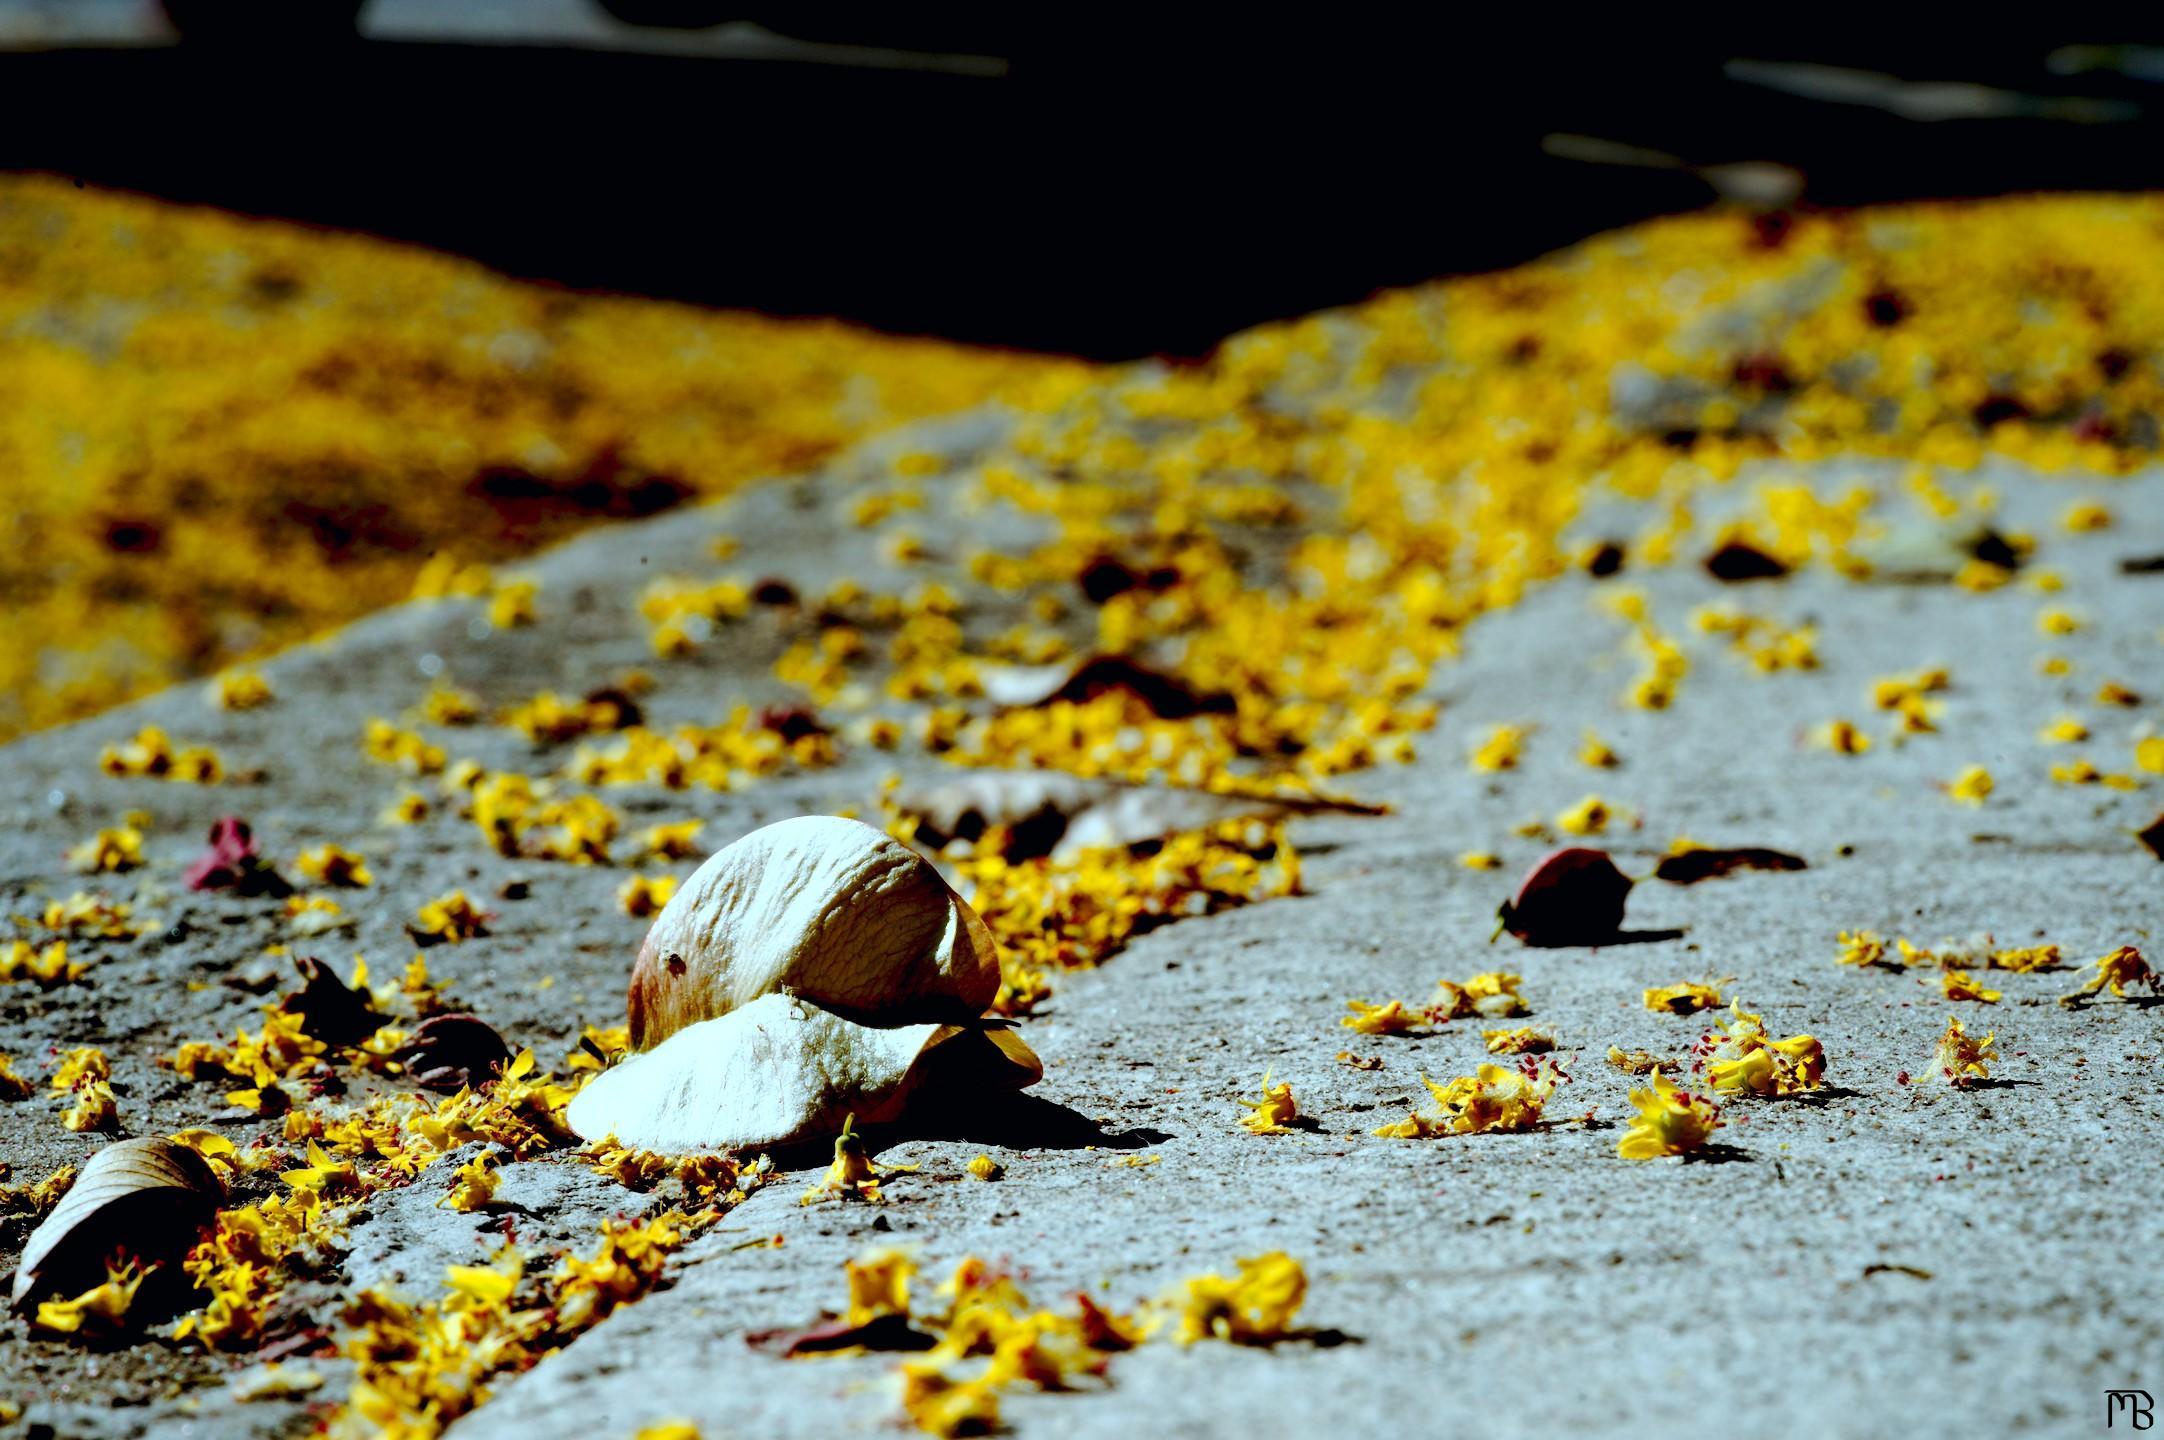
(219, 435)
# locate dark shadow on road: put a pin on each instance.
(1010, 1119)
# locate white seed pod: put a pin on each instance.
(782, 1069)
(813, 970)
(828, 909)
(149, 1195)
(775, 1070)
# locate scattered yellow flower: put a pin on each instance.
(151, 755)
(1685, 997)
(1256, 1307)
(677, 841)
(108, 852)
(2027, 959)
(101, 1310)
(878, 1285)
(48, 968)
(2115, 972)
(1971, 786)
(1274, 1113)
(325, 1175)
(1842, 737)
(2086, 515)
(853, 1175)
(473, 1184)
(644, 895)
(1669, 1121)
(406, 750)
(1598, 753)
(1390, 1018)
(1961, 985)
(1525, 1040)
(512, 606)
(1589, 816)
(86, 914)
(240, 690)
(1480, 860)
(2066, 730)
(2058, 622)
(1502, 750)
(984, 1167)
(95, 1108)
(1961, 1057)
(1860, 947)
(450, 918)
(334, 865)
(1492, 995)
(1739, 1056)
(446, 704)
(80, 1066)
(2149, 754)
(1491, 1099)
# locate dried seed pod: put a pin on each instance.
(1572, 896)
(773, 1070)
(813, 970)
(781, 1069)
(331, 1010)
(149, 1196)
(450, 1052)
(826, 908)
(793, 722)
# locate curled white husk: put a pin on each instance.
(813, 970)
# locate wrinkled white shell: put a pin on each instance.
(775, 1070)
(826, 908)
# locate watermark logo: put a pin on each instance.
(2136, 1405)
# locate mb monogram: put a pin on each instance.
(2134, 1404)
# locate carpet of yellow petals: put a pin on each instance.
(220, 435)
(227, 435)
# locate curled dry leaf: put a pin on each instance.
(1572, 896)
(1695, 863)
(812, 970)
(1045, 812)
(150, 1196)
(330, 1010)
(450, 1052)
(1165, 695)
(1738, 560)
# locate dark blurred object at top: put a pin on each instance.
(264, 24)
(1108, 184)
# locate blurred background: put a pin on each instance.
(1103, 183)
(306, 305)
